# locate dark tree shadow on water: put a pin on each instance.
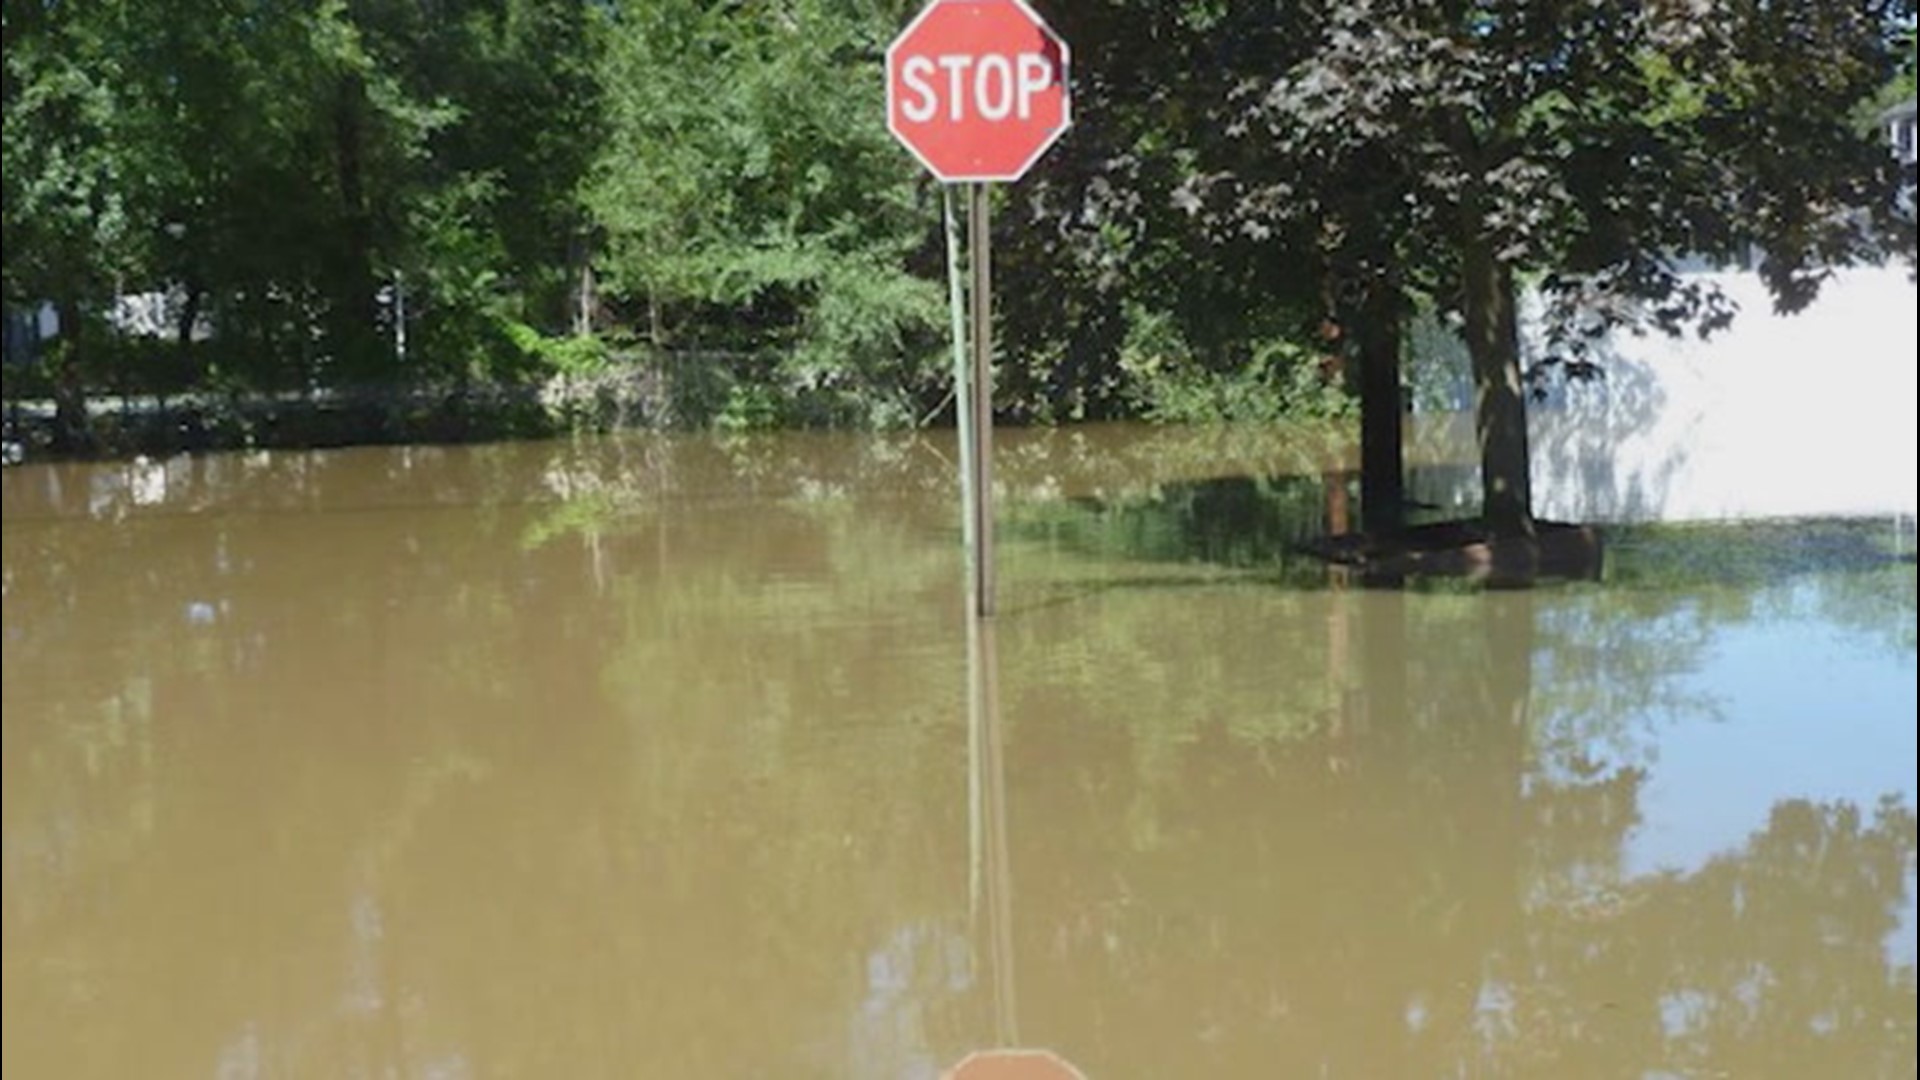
(1246, 525)
(1261, 526)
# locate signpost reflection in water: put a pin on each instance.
(990, 908)
(646, 756)
(991, 875)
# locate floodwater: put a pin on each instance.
(678, 758)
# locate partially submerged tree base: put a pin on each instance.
(1469, 549)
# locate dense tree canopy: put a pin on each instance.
(295, 174)
(1459, 150)
(1254, 199)
(750, 199)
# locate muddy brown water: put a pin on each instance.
(676, 757)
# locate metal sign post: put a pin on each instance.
(980, 250)
(977, 90)
(962, 374)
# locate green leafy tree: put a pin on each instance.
(1114, 302)
(1480, 147)
(282, 167)
(752, 200)
(77, 180)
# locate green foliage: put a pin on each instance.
(752, 200)
(298, 174)
(749, 407)
(574, 355)
(1277, 380)
(1898, 89)
(375, 193)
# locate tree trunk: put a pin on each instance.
(354, 338)
(183, 342)
(1338, 505)
(189, 315)
(584, 299)
(1335, 371)
(1500, 404)
(72, 426)
(1383, 494)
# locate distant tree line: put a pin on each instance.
(1254, 201)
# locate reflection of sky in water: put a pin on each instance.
(920, 964)
(1812, 710)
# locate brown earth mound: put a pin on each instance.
(1468, 549)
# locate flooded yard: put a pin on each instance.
(676, 757)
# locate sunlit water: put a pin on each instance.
(669, 757)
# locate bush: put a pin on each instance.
(1168, 382)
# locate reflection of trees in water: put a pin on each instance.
(1610, 672)
(1880, 605)
(1233, 522)
(391, 787)
(1251, 825)
(1441, 901)
(1432, 872)
(1611, 660)
(1768, 960)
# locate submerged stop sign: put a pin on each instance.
(1014, 1065)
(977, 89)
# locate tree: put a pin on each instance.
(75, 181)
(442, 151)
(752, 201)
(1585, 148)
(1109, 288)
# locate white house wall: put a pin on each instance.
(1779, 416)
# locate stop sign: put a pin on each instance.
(977, 89)
(1014, 1065)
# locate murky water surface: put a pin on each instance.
(660, 757)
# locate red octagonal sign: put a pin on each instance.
(977, 89)
(1014, 1065)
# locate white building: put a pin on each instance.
(1898, 122)
(1811, 414)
